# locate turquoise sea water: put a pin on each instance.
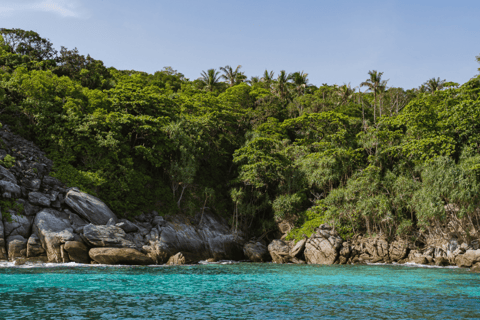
(239, 291)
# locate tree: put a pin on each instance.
(267, 79)
(210, 79)
(478, 60)
(376, 85)
(281, 86)
(345, 92)
(301, 81)
(232, 77)
(28, 43)
(433, 84)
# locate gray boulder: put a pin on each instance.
(39, 199)
(128, 226)
(298, 248)
(126, 256)
(54, 229)
(89, 207)
(18, 226)
(256, 251)
(468, 259)
(10, 189)
(3, 250)
(34, 247)
(7, 175)
(106, 236)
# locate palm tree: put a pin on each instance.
(267, 78)
(253, 80)
(345, 92)
(375, 84)
(433, 84)
(282, 83)
(210, 79)
(232, 77)
(300, 80)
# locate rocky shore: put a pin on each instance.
(44, 221)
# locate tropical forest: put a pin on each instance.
(255, 149)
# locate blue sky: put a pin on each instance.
(333, 41)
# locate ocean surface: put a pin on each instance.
(238, 291)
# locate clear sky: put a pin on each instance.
(333, 41)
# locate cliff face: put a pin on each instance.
(44, 220)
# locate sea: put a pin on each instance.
(230, 290)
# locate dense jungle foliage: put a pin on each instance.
(255, 150)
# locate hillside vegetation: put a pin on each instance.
(402, 163)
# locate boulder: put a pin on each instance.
(125, 256)
(39, 199)
(34, 247)
(419, 260)
(256, 251)
(128, 226)
(298, 248)
(51, 182)
(398, 250)
(89, 207)
(295, 260)
(106, 236)
(177, 259)
(54, 229)
(319, 250)
(323, 246)
(468, 259)
(344, 253)
(10, 189)
(475, 268)
(77, 251)
(17, 247)
(18, 226)
(7, 175)
(279, 251)
(441, 261)
(3, 250)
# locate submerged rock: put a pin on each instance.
(89, 207)
(126, 256)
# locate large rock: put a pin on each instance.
(106, 236)
(319, 250)
(54, 229)
(34, 247)
(323, 246)
(298, 248)
(89, 207)
(7, 175)
(77, 251)
(256, 251)
(3, 250)
(18, 226)
(177, 259)
(202, 238)
(280, 251)
(468, 259)
(39, 199)
(126, 256)
(10, 189)
(17, 247)
(398, 250)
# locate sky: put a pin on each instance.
(335, 42)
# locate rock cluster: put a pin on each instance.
(50, 222)
(325, 246)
